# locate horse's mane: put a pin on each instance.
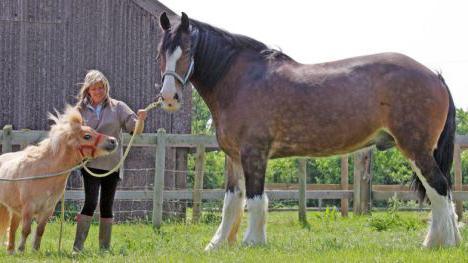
(61, 129)
(214, 51)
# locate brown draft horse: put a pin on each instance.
(266, 105)
(67, 144)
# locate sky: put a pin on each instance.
(433, 32)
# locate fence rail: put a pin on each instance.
(218, 194)
(362, 191)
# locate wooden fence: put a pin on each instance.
(361, 191)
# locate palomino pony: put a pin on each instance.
(266, 105)
(67, 144)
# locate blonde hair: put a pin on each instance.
(93, 76)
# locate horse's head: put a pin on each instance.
(69, 130)
(175, 60)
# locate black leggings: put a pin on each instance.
(91, 185)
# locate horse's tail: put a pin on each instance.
(443, 154)
(4, 220)
(445, 146)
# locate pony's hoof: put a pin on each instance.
(10, 252)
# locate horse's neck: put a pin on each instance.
(214, 96)
(64, 159)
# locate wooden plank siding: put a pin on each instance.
(46, 48)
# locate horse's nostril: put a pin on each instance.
(112, 144)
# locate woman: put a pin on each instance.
(107, 116)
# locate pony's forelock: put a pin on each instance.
(65, 125)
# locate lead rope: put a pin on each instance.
(151, 106)
(62, 219)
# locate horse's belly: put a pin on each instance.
(320, 147)
(286, 150)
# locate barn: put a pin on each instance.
(46, 48)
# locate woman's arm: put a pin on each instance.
(131, 122)
(140, 123)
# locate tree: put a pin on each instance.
(462, 128)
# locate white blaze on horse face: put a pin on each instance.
(444, 228)
(169, 89)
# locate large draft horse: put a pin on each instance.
(266, 105)
(67, 144)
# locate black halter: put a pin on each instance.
(185, 80)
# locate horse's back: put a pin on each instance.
(9, 163)
(351, 101)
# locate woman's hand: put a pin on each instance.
(142, 115)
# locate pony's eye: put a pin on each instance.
(87, 137)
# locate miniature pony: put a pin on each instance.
(68, 143)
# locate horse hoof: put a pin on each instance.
(252, 243)
(211, 246)
(254, 239)
(10, 252)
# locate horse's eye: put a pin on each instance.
(87, 137)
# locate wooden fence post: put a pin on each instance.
(198, 182)
(302, 190)
(344, 184)
(158, 185)
(457, 186)
(7, 138)
(362, 176)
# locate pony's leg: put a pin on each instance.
(444, 229)
(26, 229)
(254, 162)
(4, 220)
(233, 208)
(14, 223)
(41, 224)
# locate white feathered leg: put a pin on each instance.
(233, 209)
(256, 230)
(443, 230)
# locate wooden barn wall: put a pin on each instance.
(46, 48)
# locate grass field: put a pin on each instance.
(328, 238)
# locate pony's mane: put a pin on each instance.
(61, 130)
(214, 51)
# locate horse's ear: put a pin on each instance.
(73, 116)
(184, 22)
(164, 22)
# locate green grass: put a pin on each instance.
(328, 238)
